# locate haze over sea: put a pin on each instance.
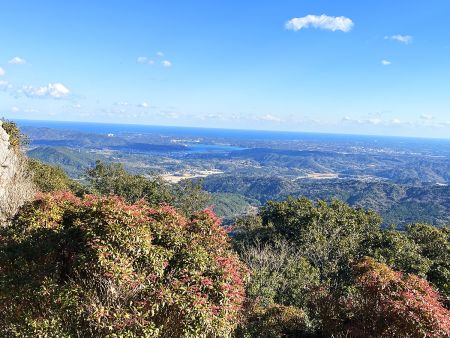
(242, 134)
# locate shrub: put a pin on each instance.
(189, 196)
(279, 274)
(434, 244)
(330, 236)
(113, 179)
(107, 179)
(398, 251)
(48, 178)
(385, 303)
(314, 270)
(99, 266)
(16, 138)
(274, 321)
(421, 249)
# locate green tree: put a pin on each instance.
(398, 251)
(434, 245)
(49, 178)
(274, 321)
(108, 179)
(280, 275)
(302, 254)
(17, 139)
(330, 236)
(189, 196)
(421, 249)
(113, 179)
(296, 248)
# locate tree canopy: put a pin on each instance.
(345, 273)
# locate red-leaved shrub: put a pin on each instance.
(99, 266)
(385, 303)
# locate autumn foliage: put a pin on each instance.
(386, 303)
(310, 257)
(99, 266)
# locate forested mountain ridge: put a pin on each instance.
(397, 203)
(415, 168)
(405, 180)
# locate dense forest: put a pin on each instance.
(120, 254)
(399, 204)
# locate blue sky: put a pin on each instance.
(370, 67)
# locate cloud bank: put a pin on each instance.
(143, 60)
(17, 61)
(406, 39)
(52, 90)
(332, 23)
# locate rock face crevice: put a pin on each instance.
(16, 186)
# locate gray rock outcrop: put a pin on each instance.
(16, 186)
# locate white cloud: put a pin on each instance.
(160, 54)
(427, 120)
(386, 62)
(77, 106)
(166, 63)
(144, 105)
(15, 109)
(31, 110)
(17, 61)
(122, 103)
(332, 23)
(2, 71)
(374, 120)
(4, 85)
(168, 114)
(212, 116)
(406, 39)
(143, 60)
(52, 90)
(352, 120)
(270, 118)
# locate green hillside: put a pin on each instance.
(74, 162)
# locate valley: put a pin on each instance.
(404, 179)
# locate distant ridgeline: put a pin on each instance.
(405, 180)
(397, 203)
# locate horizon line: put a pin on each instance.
(239, 129)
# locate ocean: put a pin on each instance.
(106, 128)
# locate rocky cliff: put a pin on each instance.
(15, 185)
